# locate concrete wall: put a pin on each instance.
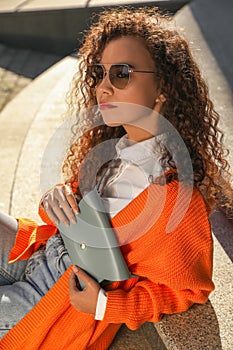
(58, 30)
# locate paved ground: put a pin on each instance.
(18, 67)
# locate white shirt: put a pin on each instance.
(125, 179)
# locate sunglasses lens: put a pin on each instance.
(119, 75)
(95, 74)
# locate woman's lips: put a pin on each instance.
(104, 106)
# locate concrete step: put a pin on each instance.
(26, 125)
(57, 26)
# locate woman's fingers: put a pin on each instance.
(83, 300)
(49, 211)
(60, 205)
(65, 199)
(60, 213)
(71, 199)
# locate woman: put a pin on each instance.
(136, 69)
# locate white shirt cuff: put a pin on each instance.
(101, 305)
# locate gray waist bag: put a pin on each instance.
(92, 244)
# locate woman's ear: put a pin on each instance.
(159, 103)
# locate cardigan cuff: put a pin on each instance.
(30, 237)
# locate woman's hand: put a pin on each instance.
(83, 300)
(60, 204)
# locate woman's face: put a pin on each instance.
(130, 106)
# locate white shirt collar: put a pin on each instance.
(138, 151)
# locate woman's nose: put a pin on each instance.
(105, 84)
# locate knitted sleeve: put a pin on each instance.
(30, 237)
(148, 301)
(175, 268)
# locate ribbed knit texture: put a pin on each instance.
(175, 271)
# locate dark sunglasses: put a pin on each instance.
(119, 74)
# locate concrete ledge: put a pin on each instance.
(197, 328)
(57, 26)
(145, 338)
(26, 124)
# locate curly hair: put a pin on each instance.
(187, 107)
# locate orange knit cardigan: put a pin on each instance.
(175, 270)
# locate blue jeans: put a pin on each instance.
(24, 283)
